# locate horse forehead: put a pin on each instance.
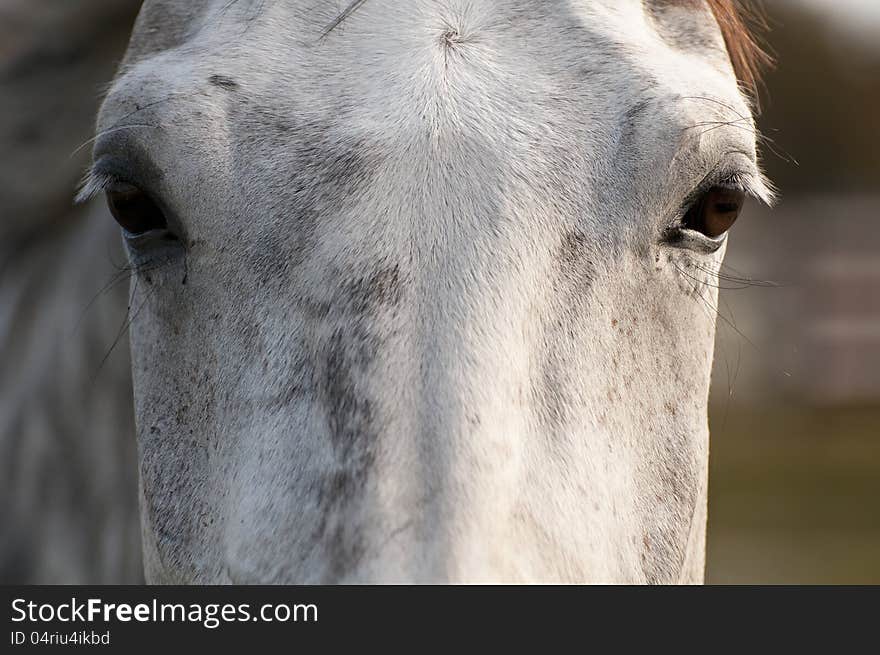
(686, 25)
(613, 51)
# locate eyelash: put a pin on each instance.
(96, 182)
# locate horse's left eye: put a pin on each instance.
(134, 210)
(716, 212)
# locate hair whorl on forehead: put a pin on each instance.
(734, 18)
(746, 54)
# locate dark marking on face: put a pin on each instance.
(637, 110)
(349, 412)
(345, 363)
(382, 288)
(319, 169)
(576, 273)
(577, 267)
(630, 140)
(574, 245)
(223, 82)
(553, 394)
(675, 483)
(339, 530)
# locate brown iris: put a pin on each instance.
(134, 210)
(716, 212)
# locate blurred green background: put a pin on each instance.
(795, 413)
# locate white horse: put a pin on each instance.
(424, 290)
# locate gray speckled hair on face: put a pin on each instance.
(426, 296)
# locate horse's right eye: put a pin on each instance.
(134, 210)
(716, 212)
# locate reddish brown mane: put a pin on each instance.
(748, 57)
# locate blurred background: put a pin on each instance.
(68, 476)
(795, 413)
(795, 409)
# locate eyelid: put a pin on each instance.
(738, 172)
(100, 177)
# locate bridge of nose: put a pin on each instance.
(397, 417)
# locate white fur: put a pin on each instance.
(424, 327)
